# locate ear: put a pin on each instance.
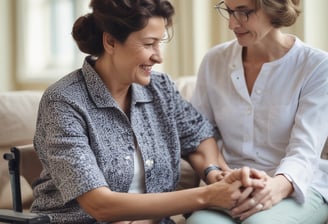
(108, 42)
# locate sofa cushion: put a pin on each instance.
(186, 86)
(188, 177)
(18, 110)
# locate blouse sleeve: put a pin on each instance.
(309, 132)
(193, 127)
(62, 144)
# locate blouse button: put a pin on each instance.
(149, 163)
(127, 158)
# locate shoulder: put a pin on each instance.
(221, 58)
(310, 53)
(161, 88)
(161, 82)
(312, 62)
(224, 49)
(160, 78)
(222, 53)
(70, 87)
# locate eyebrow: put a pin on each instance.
(153, 38)
(240, 7)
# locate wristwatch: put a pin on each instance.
(210, 168)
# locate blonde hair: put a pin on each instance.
(282, 13)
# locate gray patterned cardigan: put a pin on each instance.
(85, 141)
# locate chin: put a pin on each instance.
(243, 42)
(143, 81)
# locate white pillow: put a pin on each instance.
(18, 111)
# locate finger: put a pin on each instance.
(219, 176)
(236, 192)
(245, 176)
(244, 195)
(266, 202)
(255, 183)
(252, 178)
(248, 204)
(236, 186)
(257, 174)
(226, 173)
(232, 177)
(254, 173)
(252, 202)
(259, 207)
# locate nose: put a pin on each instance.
(233, 22)
(157, 56)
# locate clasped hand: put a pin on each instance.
(258, 192)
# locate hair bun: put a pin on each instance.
(87, 35)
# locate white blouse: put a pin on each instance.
(282, 125)
(138, 180)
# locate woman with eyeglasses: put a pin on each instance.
(267, 93)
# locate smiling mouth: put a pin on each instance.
(146, 68)
(239, 34)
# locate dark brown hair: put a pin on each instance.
(119, 18)
(283, 13)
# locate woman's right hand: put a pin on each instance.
(226, 193)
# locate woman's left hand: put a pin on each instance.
(217, 175)
(276, 188)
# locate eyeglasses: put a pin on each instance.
(240, 15)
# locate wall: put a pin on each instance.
(197, 28)
(315, 24)
(6, 46)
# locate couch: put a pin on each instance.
(18, 110)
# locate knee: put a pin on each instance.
(196, 217)
(258, 219)
(209, 217)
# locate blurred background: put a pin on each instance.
(37, 48)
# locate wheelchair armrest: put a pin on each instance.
(10, 216)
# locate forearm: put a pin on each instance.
(207, 154)
(286, 187)
(105, 205)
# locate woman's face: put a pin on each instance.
(133, 60)
(255, 29)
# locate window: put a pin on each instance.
(45, 47)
